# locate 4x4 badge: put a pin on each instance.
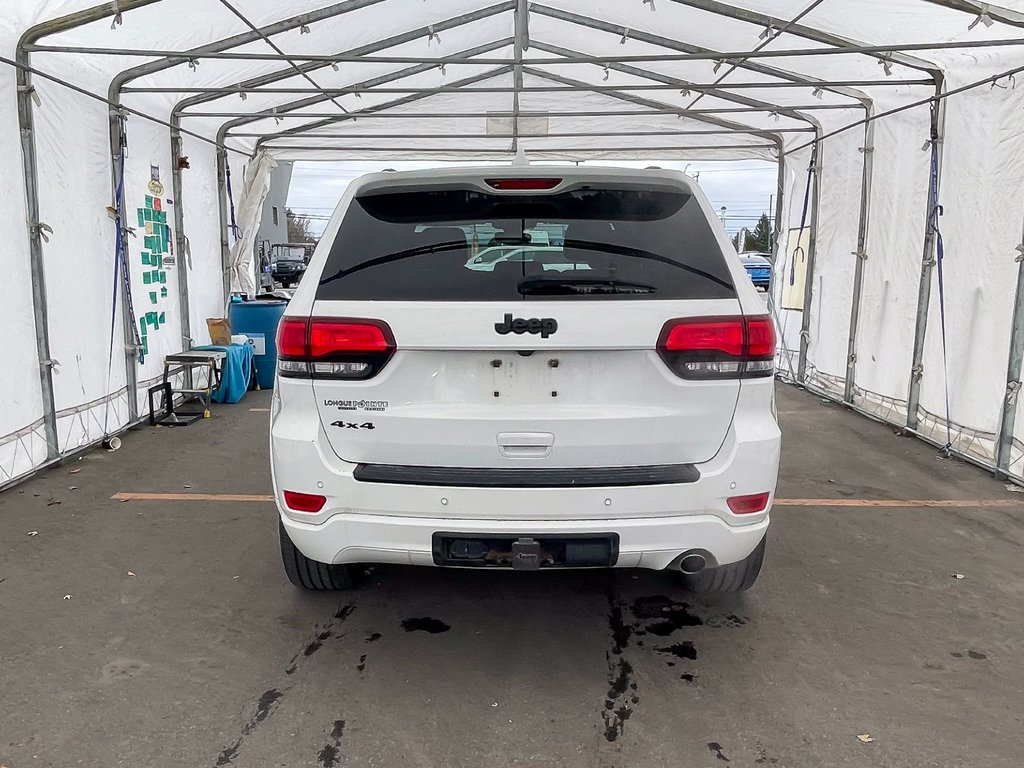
(545, 326)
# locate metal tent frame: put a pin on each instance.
(652, 96)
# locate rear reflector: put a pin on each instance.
(748, 505)
(523, 184)
(719, 347)
(333, 348)
(304, 502)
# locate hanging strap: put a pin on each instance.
(935, 212)
(236, 231)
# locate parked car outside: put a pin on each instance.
(616, 414)
(759, 269)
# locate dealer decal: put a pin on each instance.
(357, 405)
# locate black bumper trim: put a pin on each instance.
(473, 477)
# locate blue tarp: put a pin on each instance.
(237, 371)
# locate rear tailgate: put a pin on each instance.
(548, 359)
(594, 394)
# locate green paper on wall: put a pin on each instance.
(147, 278)
(162, 318)
(142, 327)
(151, 317)
(149, 201)
(152, 297)
(163, 277)
(163, 293)
(142, 217)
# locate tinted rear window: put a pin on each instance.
(465, 245)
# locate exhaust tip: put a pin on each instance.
(693, 563)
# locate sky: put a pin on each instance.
(744, 187)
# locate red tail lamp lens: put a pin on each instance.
(760, 337)
(304, 502)
(748, 505)
(333, 348)
(327, 337)
(523, 184)
(724, 335)
(291, 338)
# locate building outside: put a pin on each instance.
(274, 222)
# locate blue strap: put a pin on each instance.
(122, 276)
(936, 211)
(236, 231)
(121, 247)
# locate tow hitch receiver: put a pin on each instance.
(526, 555)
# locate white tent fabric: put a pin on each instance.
(254, 192)
(563, 80)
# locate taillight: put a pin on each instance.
(333, 348)
(748, 505)
(304, 502)
(523, 184)
(719, 347)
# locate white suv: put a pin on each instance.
(608, 402)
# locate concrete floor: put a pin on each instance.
(182, 644)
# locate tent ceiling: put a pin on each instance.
(562, 74)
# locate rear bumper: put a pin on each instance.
(643, 542)
(392, 523)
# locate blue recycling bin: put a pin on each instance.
(259, 320)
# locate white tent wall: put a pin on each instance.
(984, 153)
(155, 298)
(841, 164)
(74, 192)
(202, 228)
(892, 271)
(789, 321)
(22, 436)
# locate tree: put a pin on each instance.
(761, 238)
(299, 228)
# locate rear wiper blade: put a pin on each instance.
(540, 286)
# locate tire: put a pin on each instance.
(734, 577)
(310, 574)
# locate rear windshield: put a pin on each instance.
(465, 245)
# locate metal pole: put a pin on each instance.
(668, 111)
(780, 196)
(861, 254)
(895, 49)
(31, 174)
(222, 210)
(938, 120)
(805, 325)
(179, 236)
(550, 135)
(131, 350)
(26, 123)
(372, 151)
(1004, 446)
(329, 93)
(521, 43)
